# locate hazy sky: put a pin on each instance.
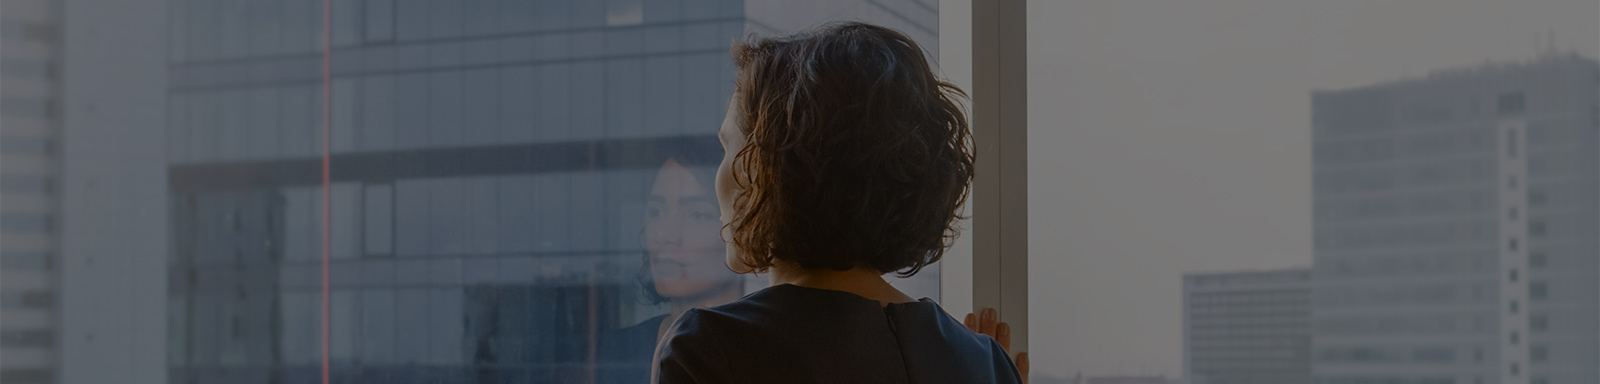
(1173, 136)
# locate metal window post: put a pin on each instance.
(1000, 188)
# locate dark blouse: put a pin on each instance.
(793, 334)
(624, 355)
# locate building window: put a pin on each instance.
(1537, 228)
(1512, 244)
(1536, 197)
(1512, 275)
(1537, 260)
(1511, 102)
(1538, 290)
(1539, 323)
(1539, 353)
(32, 338)
(1515, 307)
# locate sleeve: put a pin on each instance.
(686, 355)
(1005, 369)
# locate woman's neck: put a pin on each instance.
(862, 281)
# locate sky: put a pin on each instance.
(1169, 137)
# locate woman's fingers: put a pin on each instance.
(1003, 335)
(987, 320)
(1022, 366)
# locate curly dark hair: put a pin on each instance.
(857, 153)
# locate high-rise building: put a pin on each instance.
(1455, 227)
(491, 166)
(1247, 327)
(30, 64)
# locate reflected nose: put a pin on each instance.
(667, 232)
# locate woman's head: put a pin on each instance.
(682, 246)
(842, 150)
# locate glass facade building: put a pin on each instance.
(500, 179)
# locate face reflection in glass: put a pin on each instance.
(733, 141)
(682, 224)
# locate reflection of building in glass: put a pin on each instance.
(1455, 220)
(1247, 327)
(489, 167)
(29, 174)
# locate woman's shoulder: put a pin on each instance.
(692, 349)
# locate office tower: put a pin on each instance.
(30, 64)
(1247, 327)
(491, 166)
(1455, 227)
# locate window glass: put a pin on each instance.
(1402, 170)
(494, 191)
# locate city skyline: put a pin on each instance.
(1175, 138)
(1167, 139)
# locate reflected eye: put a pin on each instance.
(703, 211)
(653, 212)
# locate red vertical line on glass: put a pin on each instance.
(327, 125)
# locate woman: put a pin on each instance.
(845, 159)
(683, 263)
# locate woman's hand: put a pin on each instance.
(988, 322)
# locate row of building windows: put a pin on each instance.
(1198, 344)
(1402, 205)
(1452, 141)
(1387, 295)
(26, 261)
(210, 30)
(1245, 279)
(1390, 178)
(27, 184)
(1418, 324)
(523, 324)
(27, 300)
(20, 107)
(500, 215)
(1251, 297)
(1366, 111)
(1420, 355)
(1423, 355)
(27, 338)
(17, 223)
(1407, 264)
(1412, 325)
(1225, 333)
(1362, 379)
(1335, 210)
(1399, 235)
(616, 99)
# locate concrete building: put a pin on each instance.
(1247, 327)
(1455, 227)
(30, 126)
